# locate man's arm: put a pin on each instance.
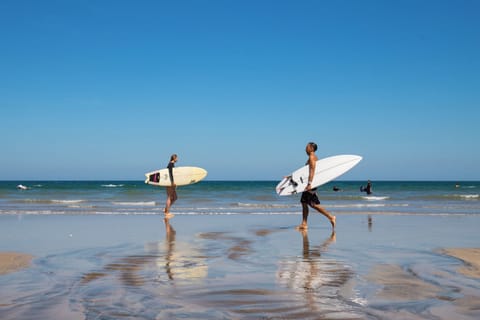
(311, 171)
(170, 172)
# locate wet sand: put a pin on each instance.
(239, 267)
(13, 261)
(471, 259)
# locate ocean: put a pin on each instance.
(236, 197)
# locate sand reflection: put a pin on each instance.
(237, 247)
(310, 271)
(170, 234)
(181, 261)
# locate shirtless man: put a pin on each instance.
(309, 196)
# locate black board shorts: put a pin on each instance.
(310, 198)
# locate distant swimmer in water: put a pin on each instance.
(367, 189)
(335, 188)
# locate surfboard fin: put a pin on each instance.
(293, 182)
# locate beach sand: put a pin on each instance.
(471, 258)
(13, 261)
(239, 267)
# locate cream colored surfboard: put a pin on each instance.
(182, 176)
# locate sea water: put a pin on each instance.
(237, 197)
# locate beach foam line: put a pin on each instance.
(375, 198)
(67, 201)
(469, 196)
(112, 185)
(50, 201)
(262, 205)
(159, 211)
(457, 197)
(366, 205)
(135, 203)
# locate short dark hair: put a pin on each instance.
(313, 145)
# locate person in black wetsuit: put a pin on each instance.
(368, 188)
(172, 189)
(309, 196)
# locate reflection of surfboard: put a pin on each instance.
(326, 170)
(181, 176)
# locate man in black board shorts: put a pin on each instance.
(309, 196)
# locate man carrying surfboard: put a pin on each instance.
(309, 196)
(172, 189)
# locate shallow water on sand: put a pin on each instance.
(239, 267)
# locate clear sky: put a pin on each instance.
(110, 89)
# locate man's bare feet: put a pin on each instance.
(169, 215)
(302, 227)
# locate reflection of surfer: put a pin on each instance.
(319, 283)
(368, 188)
(309, 273)
(313, 278)
(170, 237)
(308, 253)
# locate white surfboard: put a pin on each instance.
(326, 170)
(182, 176)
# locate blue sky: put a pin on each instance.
(110, 89)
